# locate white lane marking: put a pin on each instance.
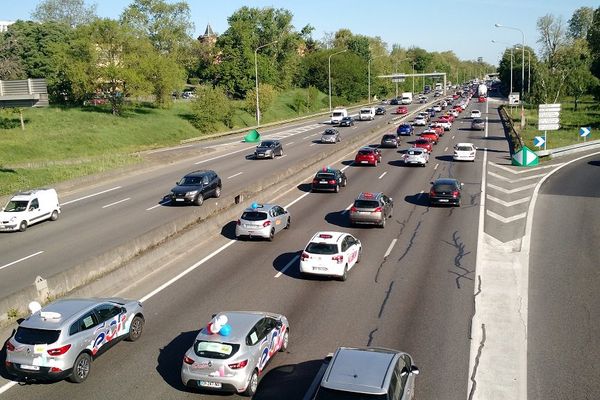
(436, 166)
(223, 155)
(511, 191)
(290, 143)
(283, 156)
(446, 149)
(90, 195)
(297, 200)
(158, 205)
(346, 167)
(421, 192)
(313, 144)
(21, 259)
(234, 175)
(7, 386)
(507, 169)
(292, 261)
(169, 149)
(187, 271)
(116, 202)
(513, 179)
(508, 203)
(503, 219)
(453, 136)
(347, 208)
(389, 249)
(382, 175)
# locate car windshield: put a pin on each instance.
(337, 114)
(464, 148)
(36, 336)
(322, 248)
(266, 144)
(330, 394)
(254, 216)
(190, 181)
(366, 203)
(329, 132)
(16, 206)
(216, 350)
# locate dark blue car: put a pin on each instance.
(405, 130)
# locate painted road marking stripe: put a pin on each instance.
(453, 136)
(346, 167)
(292, 261)
(389, 250)
(234, 175)
(224, 155)
(297, 200)
(290, 143)
(90, 195)
(513, 179)
(285, 155)
(436, 166)
(511, 191)
(116, 202)
(169, 149)
(347, 208)
(508, 203)
(382, 175)
(158, 205)
(21, 259)
(505, 220)
(313, 144)
(522, 171)
(446, 149)
(7, 386)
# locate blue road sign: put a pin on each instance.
(539, 141)
(584, 131)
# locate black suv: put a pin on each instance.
(195, 187)
(329, 179)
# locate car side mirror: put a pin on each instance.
(462, 184)
(278, 324)
(123, 310)
(414, 370)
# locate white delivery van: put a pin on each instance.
(367, 113)
(28, 208)
(337, 115)
(407, 98)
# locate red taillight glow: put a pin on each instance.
(59, 351)
(55, 369)
(455, 193)
(339, 259)
(353, 209)
(188, 360)
(304, 256)
(239, 222)
(239, 365)
(10, 346)
(432, 192)
(378, 209)
(266, 223)
(332, 182)
(315, 180)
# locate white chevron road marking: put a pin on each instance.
(505, 220)
(508, 203)
(511, 191)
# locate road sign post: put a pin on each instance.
(525, 158)
(548, 119)
(584, 132)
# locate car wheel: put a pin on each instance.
(344, 182)
(382, 224)
(23, 226)
(271, 234)
(285, 341)
(337, 188)
(199, 199)
(289, 222)
(218, 192)
(54, 215)
(281, 153)
(345, 274)
(136, 328)
(81, 368)
(252, 385)
(359, 256)
(272, 155)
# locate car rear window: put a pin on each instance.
(444, 188)
(322, 248)
(190, 180)
(422, 141)
(216, 350)
(464, 148)
(365, 152)
(414, 152)
(36, 336)
(388, 137)
(477, 121)
(254, 215)
(366, 203)
(325, 176)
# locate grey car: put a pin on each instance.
(478, 124)
(231, 352)
(196, 187)
(61, 340)
(371, 208)
(262, 220)
(330, 136)
(369, 373)
(268, 149)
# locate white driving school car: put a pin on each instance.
(464, 152)
(330, 254)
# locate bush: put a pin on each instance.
(267, 94)
(211, 108)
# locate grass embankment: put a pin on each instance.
(61, 143)
(587, 115)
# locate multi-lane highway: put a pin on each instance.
(413, 289)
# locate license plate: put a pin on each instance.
(216, 385)
(260, 155)
(179, 199)
(30, 367)
(322, 182)
(364, 162)
(319, 268)
(443, 200)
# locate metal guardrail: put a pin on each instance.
(515, 142)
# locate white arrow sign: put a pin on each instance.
(584, 131)
(548, 127)
(547, 106)
(543, 121)
(549, 114)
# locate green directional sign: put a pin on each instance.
(525, 158)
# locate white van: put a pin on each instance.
(337, 115)
(28, 208)
(407, 98)
(367, 113)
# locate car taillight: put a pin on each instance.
(432, 193)
(59, 351)
(266, 223)
(239, 365)
(332, 182)
(304, 256)
(55, 369)
(315, 180)
(455, 193)
(10, 346)
(239, 222)
(378, 209)
(339, 259)
(353, 209)
(188, 360)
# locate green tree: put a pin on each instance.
(266, 97)
(579, 80)
(164, 74)
(593, 39)
(211, 108)
(69, 12)
(10, 64)
(580, 22)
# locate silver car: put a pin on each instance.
(416, 155)
(269, 149)
(330, 136)
(262, 220)
(61, 340)
(231, 352)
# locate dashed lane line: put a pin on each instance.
(234, 175)
(21, 259)
(382, 175)
(116, 202)
(389, 249)
(90, 195)
(289, 264)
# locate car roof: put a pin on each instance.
(240, 321)
(67, 308)
(369, 196)
(260, 207)
(356, 370)
(465, 144)
(445, 181)
(323, 237)
(200, 172)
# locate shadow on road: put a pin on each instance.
(595, 163)
(282, 260)
(444, 158)
(228, 230)
(289, 382)
(169, 359)
(419, 199)
(338, 218)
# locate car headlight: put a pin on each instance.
(192, 193)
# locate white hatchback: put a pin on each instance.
(475, 114)
(416, 155)
(464, 152)
(420, 121)
(330, 254)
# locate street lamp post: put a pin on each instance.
(522, 68)
(369, 73)
(329, 62)
(511, 63)
(528, 71)
(396, 72)
(256, 78)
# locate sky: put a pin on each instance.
(463, 26)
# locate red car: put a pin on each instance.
(458, 108)
(455, 96)
(482, 99)
(446, 118)
(368, 155)
(402, 110)
(431, 135)
(437, 128)
(424, 144)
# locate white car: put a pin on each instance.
(28, 208)
(464, 152)
(330, 254)
(447, 125)
(420, 121)
(416, 155)
(437, 108)
(454, 113)
(475, 114)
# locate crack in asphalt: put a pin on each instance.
(371, 336)
(402, 226)
(387, 296)
(411, 242)
(476, 366)
(523, 322)
(460, 247)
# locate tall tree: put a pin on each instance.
(68, 12)
(580, 22)
(552, 36)
(593, 39)
(10, 63)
